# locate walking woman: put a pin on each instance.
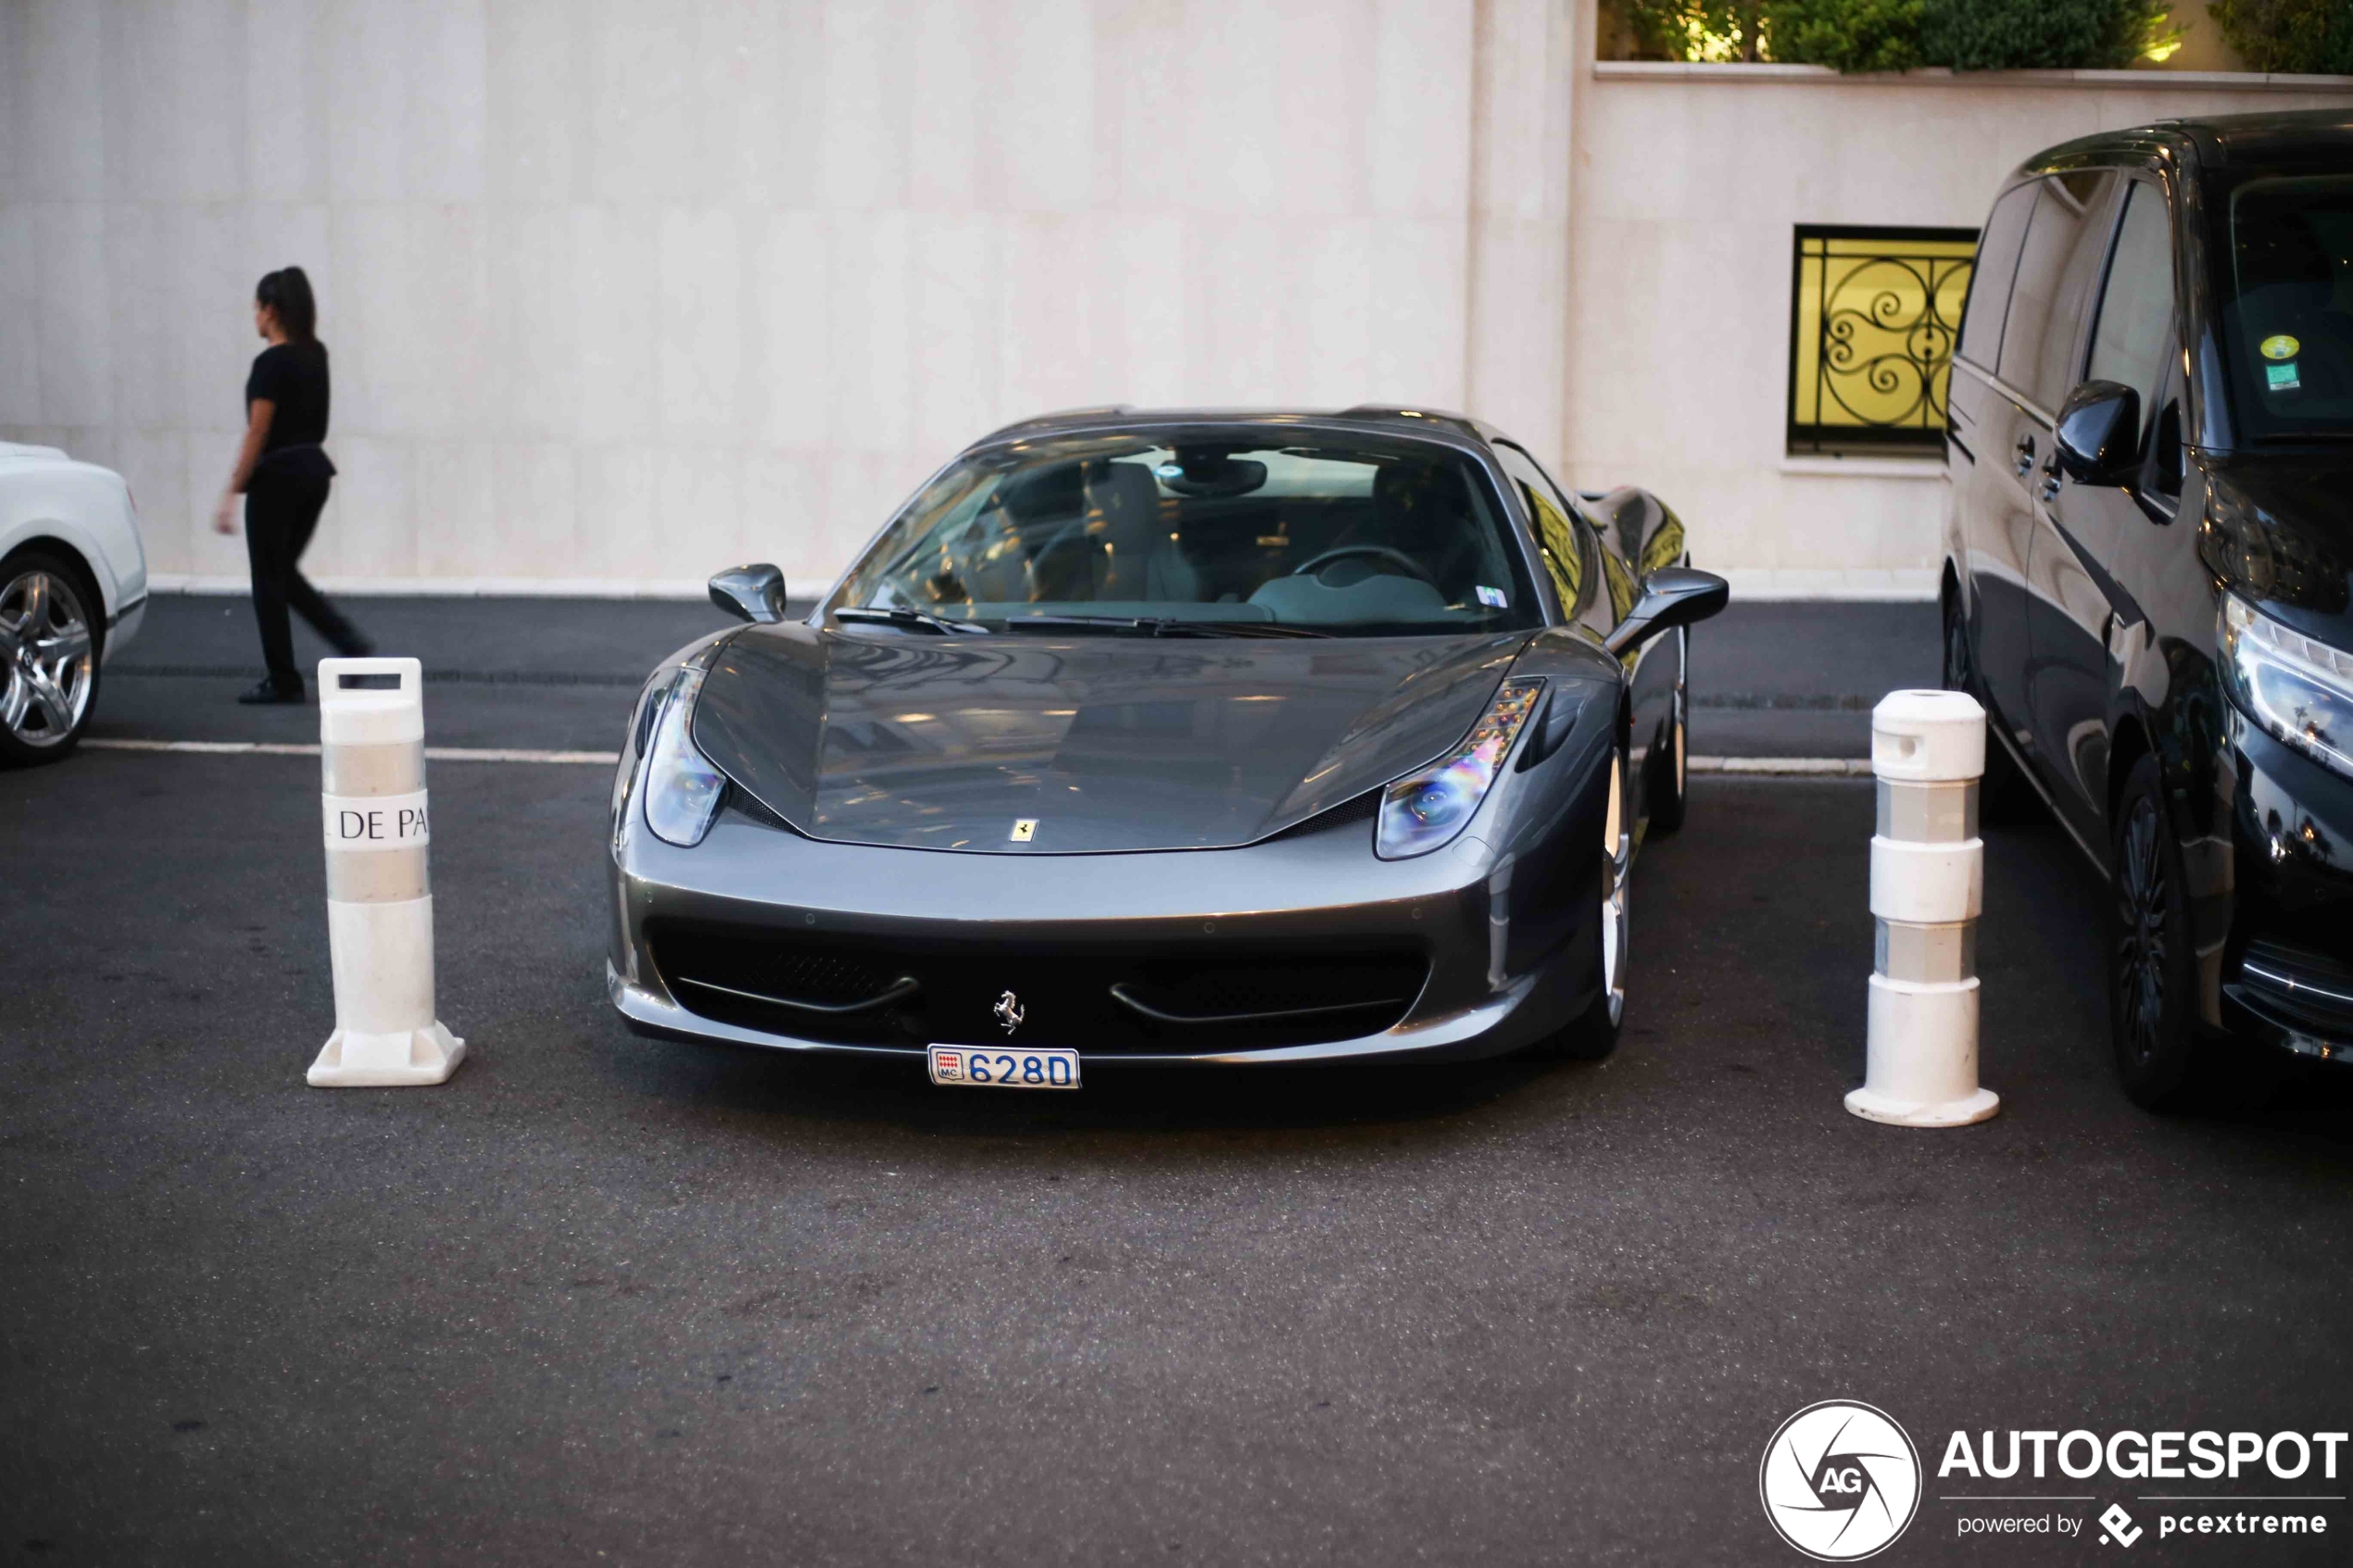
(284, 474)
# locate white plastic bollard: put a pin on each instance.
(1928, 887)
(372, 730)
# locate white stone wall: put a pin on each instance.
(622, 291)
(629, 291)
(1689, 182)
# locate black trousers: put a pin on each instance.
(282, 511)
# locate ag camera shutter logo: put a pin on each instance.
(1839, 1481)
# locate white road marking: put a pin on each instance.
(285, 748)
(1784, 766)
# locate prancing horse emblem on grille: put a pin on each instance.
(1009, 1013)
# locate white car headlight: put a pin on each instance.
(1425, 811)
(681, 789)
(2300, 690)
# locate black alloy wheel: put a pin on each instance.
(2152, 956)
(2003, 795)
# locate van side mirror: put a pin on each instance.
(2098, 436)
(752, 593)
(1672, 597)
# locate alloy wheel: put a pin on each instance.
(1682, 746)
(2143, 939)
(47, 653)
(1617, 849)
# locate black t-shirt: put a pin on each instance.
(293, 376)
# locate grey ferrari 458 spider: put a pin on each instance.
(1170, 737)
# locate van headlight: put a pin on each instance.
(1425, 811)
(2300, 690)
(682, 788)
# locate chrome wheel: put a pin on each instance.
(1617, 856)
(46, 650)
(1683, 729)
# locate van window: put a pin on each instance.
(1989, 288)
(2286, 292)
(2136, 308)
(2064, 242)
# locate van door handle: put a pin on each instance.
(2025, 453)
(2050, 488)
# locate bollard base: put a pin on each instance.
(405, 1059)
(1914, 1113)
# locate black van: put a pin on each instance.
(2145, 577)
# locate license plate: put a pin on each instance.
(988, 1069)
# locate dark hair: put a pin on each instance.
(287, 292)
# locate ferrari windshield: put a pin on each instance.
(2287, 306)
(1346, 534)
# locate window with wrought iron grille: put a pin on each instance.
(1873, 314)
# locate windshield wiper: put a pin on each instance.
(910, 620)
(1157, 626)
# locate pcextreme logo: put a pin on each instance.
(1839, 1481)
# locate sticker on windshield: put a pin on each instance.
(2279, 345)
(2281, 377)
(1492, 598)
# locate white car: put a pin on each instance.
(73, 589)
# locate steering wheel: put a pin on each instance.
(1377, 552)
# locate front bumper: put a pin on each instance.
(1484, 988)
(2288, 963)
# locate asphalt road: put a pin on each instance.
(1767, 679)
(605, 1300)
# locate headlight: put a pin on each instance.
(1423, 812)
(2301, 690)
(681, 787)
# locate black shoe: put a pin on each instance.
(268, 691)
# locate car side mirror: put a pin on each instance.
(1672, 597)
(2098, 436)
(754, 593)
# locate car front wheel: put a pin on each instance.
(48, 658)
(1594, 1034)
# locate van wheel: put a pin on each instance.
(48, 657)
(2152, 970)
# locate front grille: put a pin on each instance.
(898, 994)
(2298, 987)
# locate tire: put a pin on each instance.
(1593, 1035)
(1670, 788)
(2152, 965)
(2003, 795)
(50, 632)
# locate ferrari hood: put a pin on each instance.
(1103, 743)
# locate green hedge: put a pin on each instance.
(1898, 34)
(2038, 34)
(2305, 37)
